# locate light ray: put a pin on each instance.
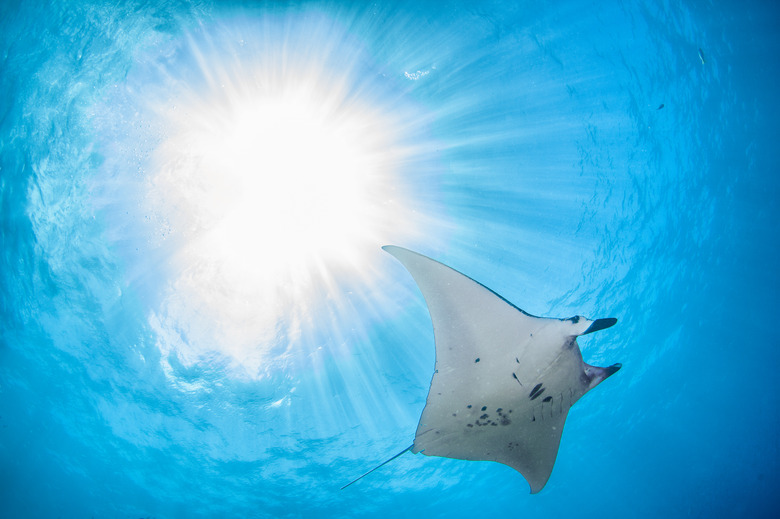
(277, 181)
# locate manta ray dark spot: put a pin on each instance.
(483, 416)
(454, 414)
(517, 360)
(476, 360)
(469, 425)
(499, 410)
(535, 391)
(469, 406)
(537, 394)
(545, 399)
(484, 408)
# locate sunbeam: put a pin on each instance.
(275, 181)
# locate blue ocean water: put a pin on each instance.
(594, 158)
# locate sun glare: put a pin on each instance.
(277, 184)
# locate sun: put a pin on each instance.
(268, 181)
(278, 183)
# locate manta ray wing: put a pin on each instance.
(504, 380)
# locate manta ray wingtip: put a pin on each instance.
(390, 248)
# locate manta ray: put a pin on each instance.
(504, 379)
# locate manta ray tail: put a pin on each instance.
(381, 464)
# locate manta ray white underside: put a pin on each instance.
(504, 380)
